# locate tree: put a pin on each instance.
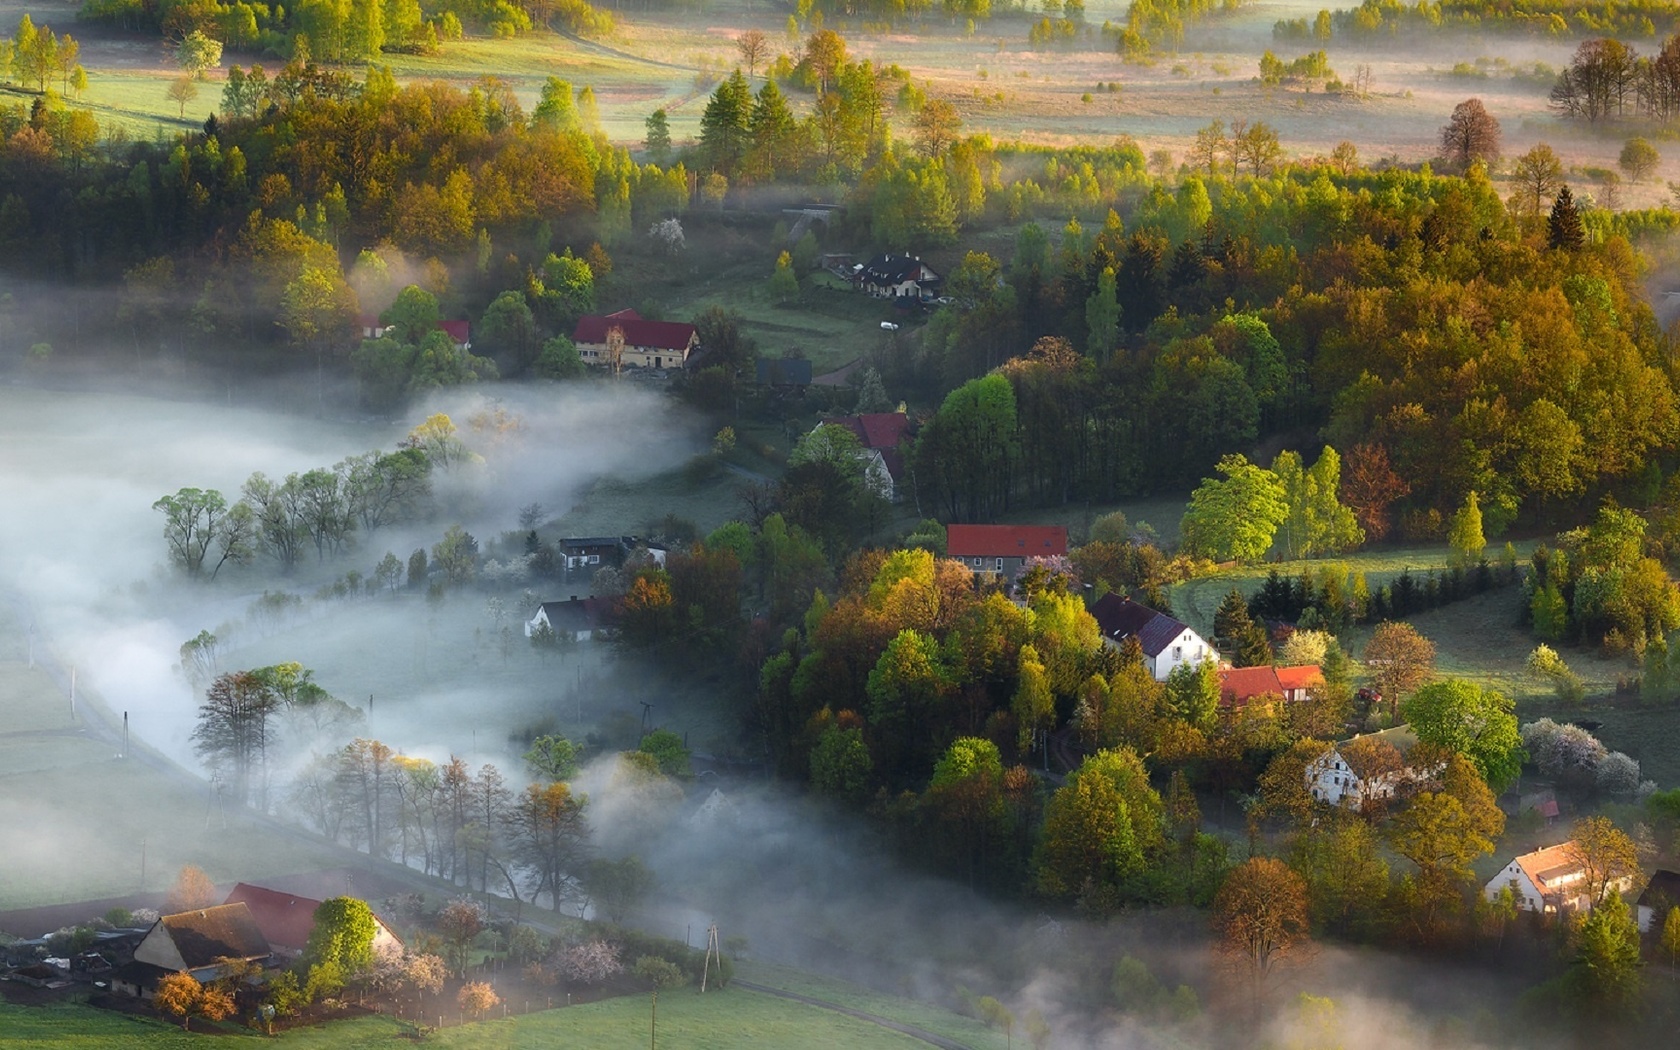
(477, 998)
(1099, 828)
(659, 974)
(1606, 856)
(192, 890)
(1260, 915)
(552, 757)
(724, 125)
(1465, 536)
(1316, 521)
(1608, 973)
(1440, 836)
(181, 995)
(1470, 135)
(1400, 659)
(548, 834)
(1257, 145)
(619, 886)
(936, 127)
(197, 53)
(784, 283)
(841, 765)
(1210, 144)
(1467, 719)
(1102, 317)
(1370, 486)
(658, 138)
(1563, 227)
(233, 734)
(1034, 705)
(182, 90)
(1345, 874)
(1671, 935)
(754, 47)
(194, 519)
(343, 934)
(825, 53)
(460, 921)
(1537, 175)
(1639, 159)
(1234, 519)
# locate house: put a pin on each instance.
(1549, 881)
(899, 277)
(194, 940)
(882, 435)
(1298, 682)
(1004, 549)
(1661, 895)
(459, 332)
(782, 372)
(1241, 686)
(590, 552)
(576, 619)
(286, 919)
(1367, 769)
(647, 344)
(1167, 643)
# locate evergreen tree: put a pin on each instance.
(1232, 617)
(1563, 227)
(1102, 317)
(658, 141)
(724, 133)
(1607, 972)
(872, 394)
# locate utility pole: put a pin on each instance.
(712, 951)
(125, 734)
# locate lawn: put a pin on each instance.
(720, 1019)
(910, 1011)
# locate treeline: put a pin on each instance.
(1609, 80)
(1550, 18)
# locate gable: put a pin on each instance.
(656, 335)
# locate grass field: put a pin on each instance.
(941, 1022)
(687, 1019)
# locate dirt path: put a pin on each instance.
(885, 1022)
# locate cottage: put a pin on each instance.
(459, 332)
(899, 277)
(286, 919)
(1241, 686)
(590, 552)
(1368, 769)
(645, 344)
(576, 619)
(1551, 881)
(1661, 895)
(1167, 643)
(882, 435)
(1003, 550)
(194, 940)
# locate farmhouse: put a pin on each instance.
(194, 940)
(1551, 881)
(1367, 769)
(590, 552)
(286, 919)
(576, 619)
(881, 434)
(1661, 894)
(1167, 643)
(1004, 549)
(899, 277)
(459, 332)
(1240, 686)
(646, 344)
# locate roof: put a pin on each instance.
(205, 935)
(1239, 685)
(783, 371)
(1005, 541)
(1301, 676)
(1361, 755)
(579, 614)
(659, 335)
(1549, 864)
(882, 430)
(575, 542)
(459, 331)
(284, 919)
(1119, 618)
(1663, 891)
(896, 269)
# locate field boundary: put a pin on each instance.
(885, 1022)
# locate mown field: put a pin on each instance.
(717, 1020)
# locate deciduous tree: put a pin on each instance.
(1260, 915)
(1399, 659)
(1465, 718)
(1237, 517)
(1470, 135)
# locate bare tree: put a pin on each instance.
(753, 46)
(1471, 134)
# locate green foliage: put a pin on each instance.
(342, 937)
(1465, 718)
(1607, 973)
(1465, 537)
(1236, 518)
(668, 751)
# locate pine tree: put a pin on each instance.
(658, 142)
(724, 125)
(1564, 228)
(872, 394)
(1232, 617)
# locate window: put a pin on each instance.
(1000, 565)
(1178, 653)
(594, 559)
(977, 562)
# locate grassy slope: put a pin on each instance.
(727, 1019)
(941, 1022)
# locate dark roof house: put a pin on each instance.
(194, 940)
(899, 276)
(1166, 642)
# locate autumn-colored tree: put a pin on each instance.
(1606, 855)
(1400, 659)
(460, 921)
(1284, 791)
(1260, 915)
(192, 890)
(181, 995)
(477, 998)
(1471, 135)
(1370, 486)
(1345, 873)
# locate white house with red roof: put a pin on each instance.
(882, 435)
(1004, 550)
(459, 332)
(647, 344)
(1167, 643)
(1240, 686)
(1551, 881)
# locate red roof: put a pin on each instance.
(882, 430)
(285, 920)
(1301, 676)
(1239, 685)
(456, 330)
(659, 335)
(1005, 541)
